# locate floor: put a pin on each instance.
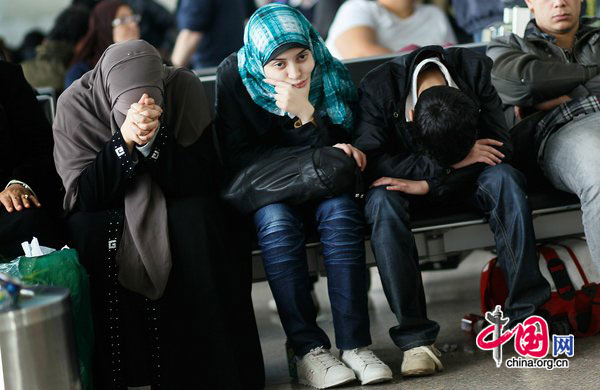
(450, 294)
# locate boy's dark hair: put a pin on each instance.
(71, 24)
(445, 124)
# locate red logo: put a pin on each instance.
(531, 338)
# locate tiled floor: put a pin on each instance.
(451, 294)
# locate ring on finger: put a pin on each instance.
(25, 196)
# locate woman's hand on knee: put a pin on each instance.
(355, 153)
(17, 197)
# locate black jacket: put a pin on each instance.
(248, 132)
(382, 132)
(25, 138)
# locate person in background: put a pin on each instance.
(110, 21)
(364, 28)
(209, 30)
(475, 15)
(554, 70)
(53, 56)
(157, 24)
(26, 50)
(133, 148)
(29, 185)
(320, 13)
(282, 90)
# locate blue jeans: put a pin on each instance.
(499, 193)
(281, 237)
(572, 163)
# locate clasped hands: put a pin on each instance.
(141, 123)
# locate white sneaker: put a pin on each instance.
(367, 367)
(272, 306)
(320, 369)
(422, 360)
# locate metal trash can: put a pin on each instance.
(36, 342)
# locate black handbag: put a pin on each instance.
(294, 177)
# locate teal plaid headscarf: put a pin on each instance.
(273, 25)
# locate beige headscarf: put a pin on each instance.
(92, 110)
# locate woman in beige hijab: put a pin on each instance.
(137, 163)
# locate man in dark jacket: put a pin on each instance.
(554, 70)
(454, 152)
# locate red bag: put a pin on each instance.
(568, 268)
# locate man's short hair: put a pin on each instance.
(445, 124)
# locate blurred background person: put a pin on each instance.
(364, 28)
(27, 48)
(475, 15)
(209, 30)
(157, 26)
(49, 66)
(110, 21)
(320, 13)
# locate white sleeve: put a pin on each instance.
(21, 183)
(446, 28)
(352, 13)
(147, 148)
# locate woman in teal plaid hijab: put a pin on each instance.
(282, 95)
(275, 26)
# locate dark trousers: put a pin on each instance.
(207, 335)
(20, 226)
(500, 194)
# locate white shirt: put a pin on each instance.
(428, 25)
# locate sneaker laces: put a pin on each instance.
(367, 356)
(325, 357)
(429, 350)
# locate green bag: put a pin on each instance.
(62, 268)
